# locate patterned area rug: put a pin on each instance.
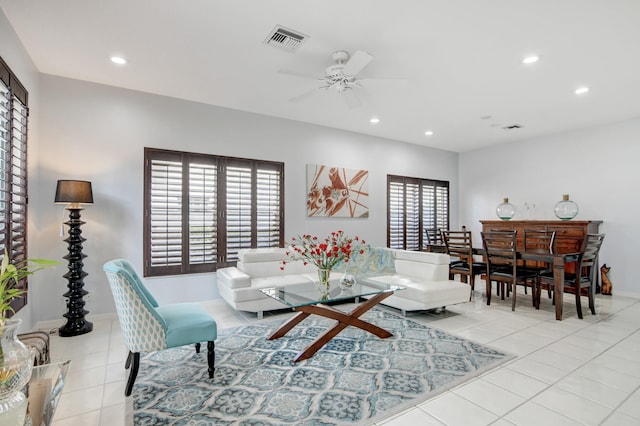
(357, 378)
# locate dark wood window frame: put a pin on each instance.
(14, 115)
(200, 209)
(413, 206)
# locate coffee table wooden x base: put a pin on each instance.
(344, 320)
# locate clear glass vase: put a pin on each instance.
(566, 209)
(16, 363)
(506, 210)
(347, 281)
(323, 281)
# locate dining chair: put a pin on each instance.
(582, 282)
(433, 237)
(148, 327)
(500, 252)
(539, 240)
(459, 246)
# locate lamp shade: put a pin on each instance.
(74, 192)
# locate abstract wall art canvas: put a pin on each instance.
(337, 192)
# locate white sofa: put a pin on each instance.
(424, 275)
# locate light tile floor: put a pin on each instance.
(570, 372)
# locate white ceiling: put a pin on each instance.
(462, 59)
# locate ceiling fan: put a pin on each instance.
(342, 77)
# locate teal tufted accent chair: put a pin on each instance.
(147, 327)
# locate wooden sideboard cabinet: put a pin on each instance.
(569, 233)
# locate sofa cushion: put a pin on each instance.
(424, 266)
(273, 268)
(422, 256)
(427, 292)
(233, 277)
(373, 261)
(271, 254)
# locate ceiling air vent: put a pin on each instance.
(512, 127)
(285, 38)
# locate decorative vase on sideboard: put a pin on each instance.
(505, 210)
(566, 209)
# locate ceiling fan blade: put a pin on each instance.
(297, 74)
(303, 96)
(396, 83)
(351, 99)
(357, 62)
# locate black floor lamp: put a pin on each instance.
(75, 193)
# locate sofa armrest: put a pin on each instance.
(232, 277)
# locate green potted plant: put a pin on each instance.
(16, 359)
(11, 275)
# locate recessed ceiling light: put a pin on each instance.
(581, 90)
(530, 59)
(429, 133)
(374, 120)
(118, 60)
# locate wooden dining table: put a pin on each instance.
(558, 262)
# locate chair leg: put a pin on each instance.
(128, 361)
(592, 305)
(135, 357)
(578, 304)
(198, 347)
(211, 357)
(538, 292)
(488, 291)
(513, 297)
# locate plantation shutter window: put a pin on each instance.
(414, 205)
(202, 209)
(14, 115)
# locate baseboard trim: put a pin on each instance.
(51, 326)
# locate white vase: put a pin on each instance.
(16, 363)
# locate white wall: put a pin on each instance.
(98, 133)
(597, 167)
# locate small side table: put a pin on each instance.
(44, 391)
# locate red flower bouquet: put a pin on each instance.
(325, 254)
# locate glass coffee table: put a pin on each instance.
(307, 300)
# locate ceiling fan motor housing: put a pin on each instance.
(340, 56)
